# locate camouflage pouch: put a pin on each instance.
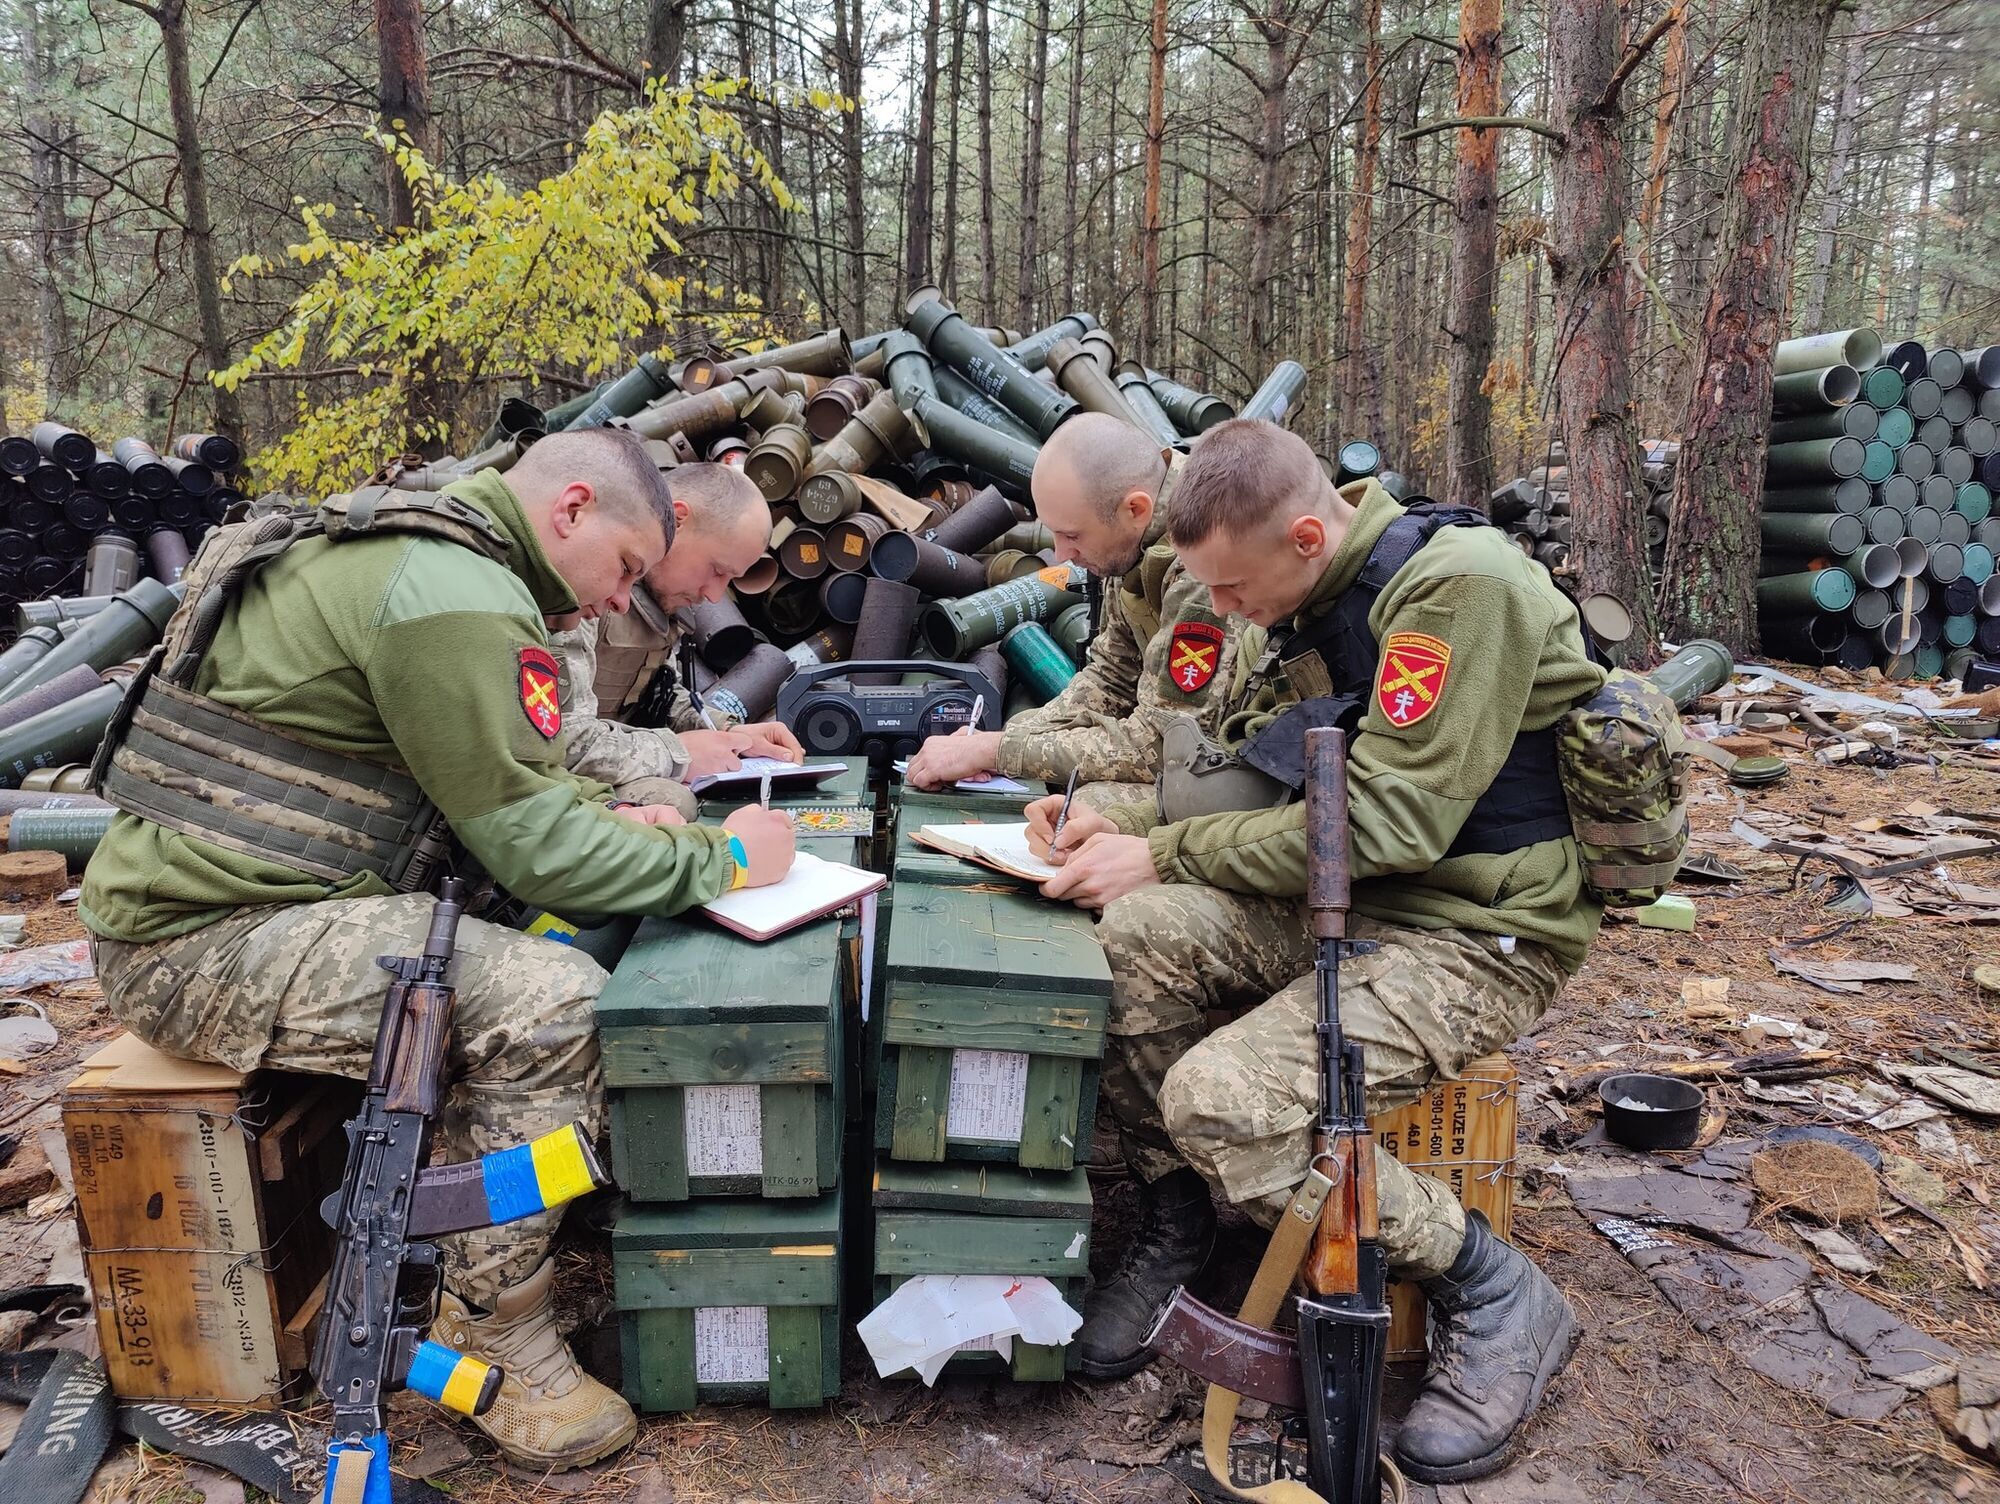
(1624, 774)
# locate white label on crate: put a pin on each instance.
(989, 1095)
(732, 1345)
(725, 1130)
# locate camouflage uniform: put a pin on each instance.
(1106, 722)
(524, 1042)
(1473, 948)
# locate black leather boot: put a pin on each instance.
(1175, 1237)
(1500, 1333)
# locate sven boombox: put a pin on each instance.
(832, 715)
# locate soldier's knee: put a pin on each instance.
(1130, 926)
(1204, 1093)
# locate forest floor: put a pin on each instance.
(1651, 1411)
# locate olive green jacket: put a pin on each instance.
(1517, 662)
(405, 650)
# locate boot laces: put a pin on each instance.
(529, 1347)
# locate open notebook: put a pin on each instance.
(1000, 847)
(788, 777)
(812, 889)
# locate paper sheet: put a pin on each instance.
(928, 1319)
(753, 770)
(989, 1095)
(724, 1126)
(813, 886)
(992, 783)
(732, 1345)
(1004, 846)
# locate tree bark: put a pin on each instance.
(1926, 182)
(1712, 552)
(60, 367)
(1845, 119)
(1156, 134)
(405, 94)
(1593, 372)
(1027, 284)
(1074, 137)
(1354, 362)
(948, 252)
(847, 43)
(666, 38)
(1474, 261)
(923, 151)
(172, 17)
(1275, 26)
(989, 260)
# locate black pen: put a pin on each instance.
(1062, 814)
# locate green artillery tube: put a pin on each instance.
(73, 832)
(1850, 495)
(30, 648)
(1699, 668)
(957, 627)
(1812, 590)
(648, 381)
(1037, 659)
(1357, 460)
(697, 416)
(826, 354)
(999, 455)
(1193, 412)
(1815, 391)
(1072, 631)
(1857, 420)
(1826, 532)
(1882, 387)
(1895, 427)
(1875, 565)
(1860, 348)
(907, 364)
(1274, 401)
(957, 393)
(1033, 351)
(126, 628)
(1816, 460)
(1079, 375)
(69, 732)
(1811, 638)
(1145, 403)
(957, 344)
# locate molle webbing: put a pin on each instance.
(206, 771)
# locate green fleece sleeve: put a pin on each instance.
(450, 691)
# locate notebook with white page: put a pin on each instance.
(812, 889)
(990, 783)
(786, 775)
(1000, 847)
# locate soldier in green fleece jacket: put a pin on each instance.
(284, 785)
(1449, 657)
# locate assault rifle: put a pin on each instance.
(1328, 1236)
(383, 1292)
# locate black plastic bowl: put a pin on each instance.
(1671, 1118)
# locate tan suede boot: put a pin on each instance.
(550, 1413)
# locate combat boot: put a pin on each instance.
(1500, 1333)
(550, 1413)
(1175, 1237)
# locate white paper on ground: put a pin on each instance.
(724, 1127)
(989, 1095)
(732, 1345)
(931, 1317)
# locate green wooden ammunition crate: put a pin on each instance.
(986, 1219)
(729, 1300)
(723, 1057)
(992, 1023)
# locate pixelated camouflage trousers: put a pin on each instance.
(1238, 1099)
(296, 988)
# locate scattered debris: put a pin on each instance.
(1965, 1090)
(1820, 1180)
(1841, 976)
(1838, 1249)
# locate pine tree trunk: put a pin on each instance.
(989, 261)
(1354, 363)
(1926, 181)
(1711, 570)
(923, 151)
(1474, 261)
(60, 368)
(1594, 376)
(405, 94)
(1027, 284)
(666, 37)
(847, 44)
(1845, 119)
(172, 17)
(1266, 220)
(1156, 132)
(948, 252)
(1074, 138)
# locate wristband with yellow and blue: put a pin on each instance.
(742, 860)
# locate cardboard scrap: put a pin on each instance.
(1841, 976)
(1966, 1090)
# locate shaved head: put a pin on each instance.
(725, 528)
(599, 510)
(1104, 459)
(611, 461)
(718, 498)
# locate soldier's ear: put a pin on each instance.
(571, 503)
(1308, 535)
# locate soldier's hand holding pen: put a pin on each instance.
(767, 840)
(1082, 824)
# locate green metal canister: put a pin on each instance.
(950, 339)
(1815, 391)
(1193, 412)
(68, 732)
(1037, 659)
(1072, 631)
(1860, 348)
(1699, 668)
(1819, 460)
(1274, 401)
(73, 832)
(126, 628)
(955, 628)
(1811, 590)
(1033, 350)
(1882, 388)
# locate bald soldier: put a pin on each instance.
(1103, 490)
(343, 684)
(1449, 657)
(612, 665)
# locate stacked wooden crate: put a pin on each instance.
(989, 1030)
(724, 1065)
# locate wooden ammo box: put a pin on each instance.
(197, 1203)
(993, 1016)
(723, 1057)
(986, 1219)
(729, 1300)
(1461, 1132)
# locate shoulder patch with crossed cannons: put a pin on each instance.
(540, 693)
(1410, 681)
